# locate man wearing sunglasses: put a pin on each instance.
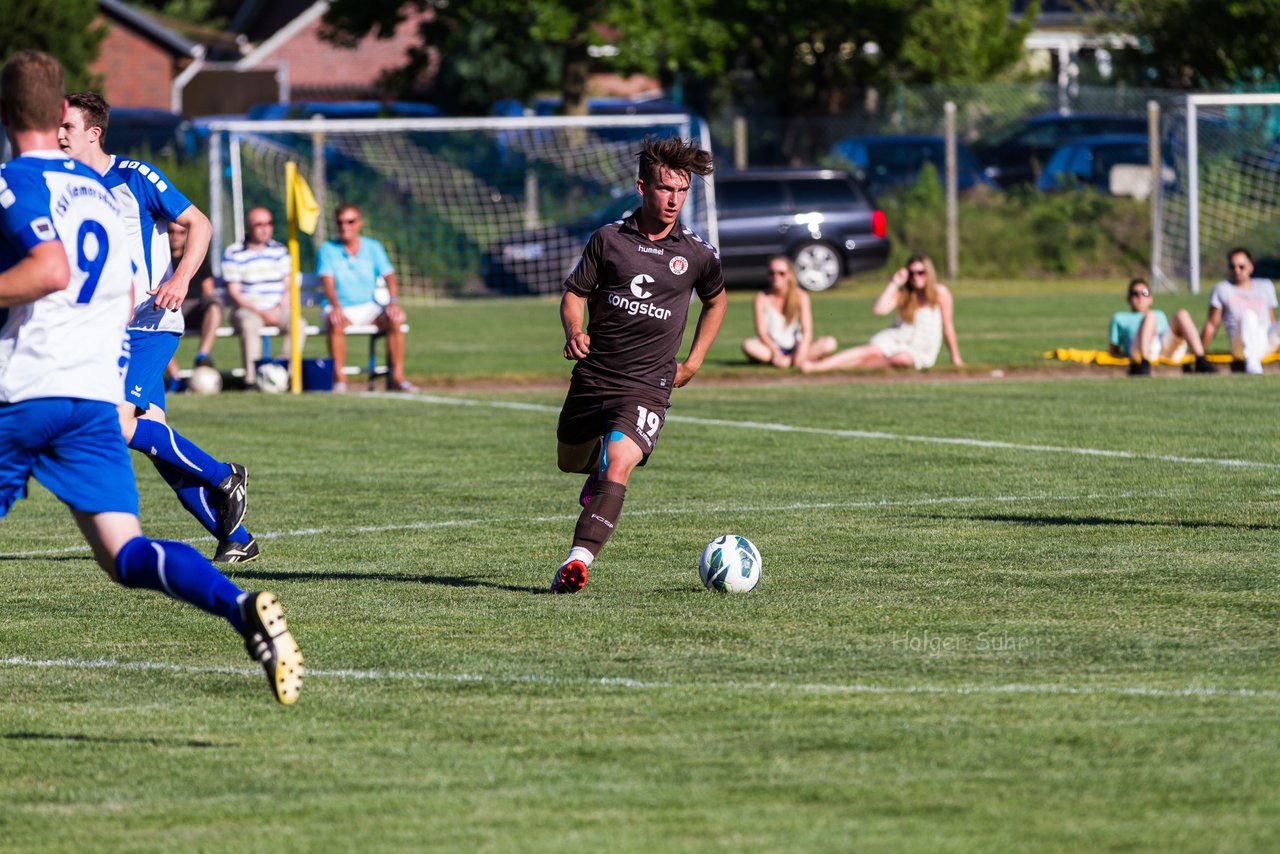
(1246, 307)
(1143, 333)
(349, 268)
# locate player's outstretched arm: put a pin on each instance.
(43, 271)
(573, 312)
(710, 320)
(173, 291)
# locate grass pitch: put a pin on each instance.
(1026, 613)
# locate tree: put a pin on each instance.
(488, 48)
(804, 57)
(1196, 43)
(210, 13)
(64, 29)
(961, 41)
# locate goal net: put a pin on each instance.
(463, 206)
(1227, 150)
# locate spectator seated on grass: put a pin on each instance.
(1143, 334)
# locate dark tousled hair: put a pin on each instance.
(93, 107)
(674, 154)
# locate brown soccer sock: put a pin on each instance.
(600, 517)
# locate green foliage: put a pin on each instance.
(1198, 43)
(64, 29)
(962, 41)
(800, 58)
(1023, 232)
(209, 13)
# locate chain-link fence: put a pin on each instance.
(982, 110)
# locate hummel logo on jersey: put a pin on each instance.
(637, 286)
(650, 250)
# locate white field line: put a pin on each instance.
(658, 511)
(856, 434)
(1015, 688)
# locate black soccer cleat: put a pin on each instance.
(268, 641)
(229, 551)
(231, 499)
(1140, 368)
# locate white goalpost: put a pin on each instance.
(464, 206)
(1228, 153)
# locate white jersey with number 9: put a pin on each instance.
(70, 343)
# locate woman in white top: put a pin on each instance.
(784, 322)
(925, 319)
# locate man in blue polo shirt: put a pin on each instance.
(349, 269)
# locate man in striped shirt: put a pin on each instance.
(256, 273)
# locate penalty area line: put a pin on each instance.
(861, 434)
(854, 688)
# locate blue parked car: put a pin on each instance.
(1089, 161)
(1015, 154)
(893, 162)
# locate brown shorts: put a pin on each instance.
(591, 411)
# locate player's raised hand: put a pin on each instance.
(578, 346)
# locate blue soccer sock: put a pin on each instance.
(194, 496)
(182, 573)
(162, 442)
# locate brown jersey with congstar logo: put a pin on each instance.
(638, 292)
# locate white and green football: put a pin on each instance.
(730, 564)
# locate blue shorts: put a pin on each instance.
(73, 447)
(149, 355)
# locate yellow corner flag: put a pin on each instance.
(303, 214)
(303, 209)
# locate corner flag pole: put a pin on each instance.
(302, 213)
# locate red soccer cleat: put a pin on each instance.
(570, 578)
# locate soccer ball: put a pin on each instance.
(730, 564)
(205, 380)
(273, 378)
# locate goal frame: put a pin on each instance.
(1193, 103)
(318, 127)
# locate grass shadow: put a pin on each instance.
(438, 580)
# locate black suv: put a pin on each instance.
(820, 218)
(1017, 154)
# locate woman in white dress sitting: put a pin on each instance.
(784, 322)
(925, 319)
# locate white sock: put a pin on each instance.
(579, 553)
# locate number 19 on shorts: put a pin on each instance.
(648, 423)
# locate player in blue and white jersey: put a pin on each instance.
(212, 491)
(66, 280)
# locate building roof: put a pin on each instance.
(149, 27)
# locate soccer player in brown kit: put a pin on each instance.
(634, 280)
